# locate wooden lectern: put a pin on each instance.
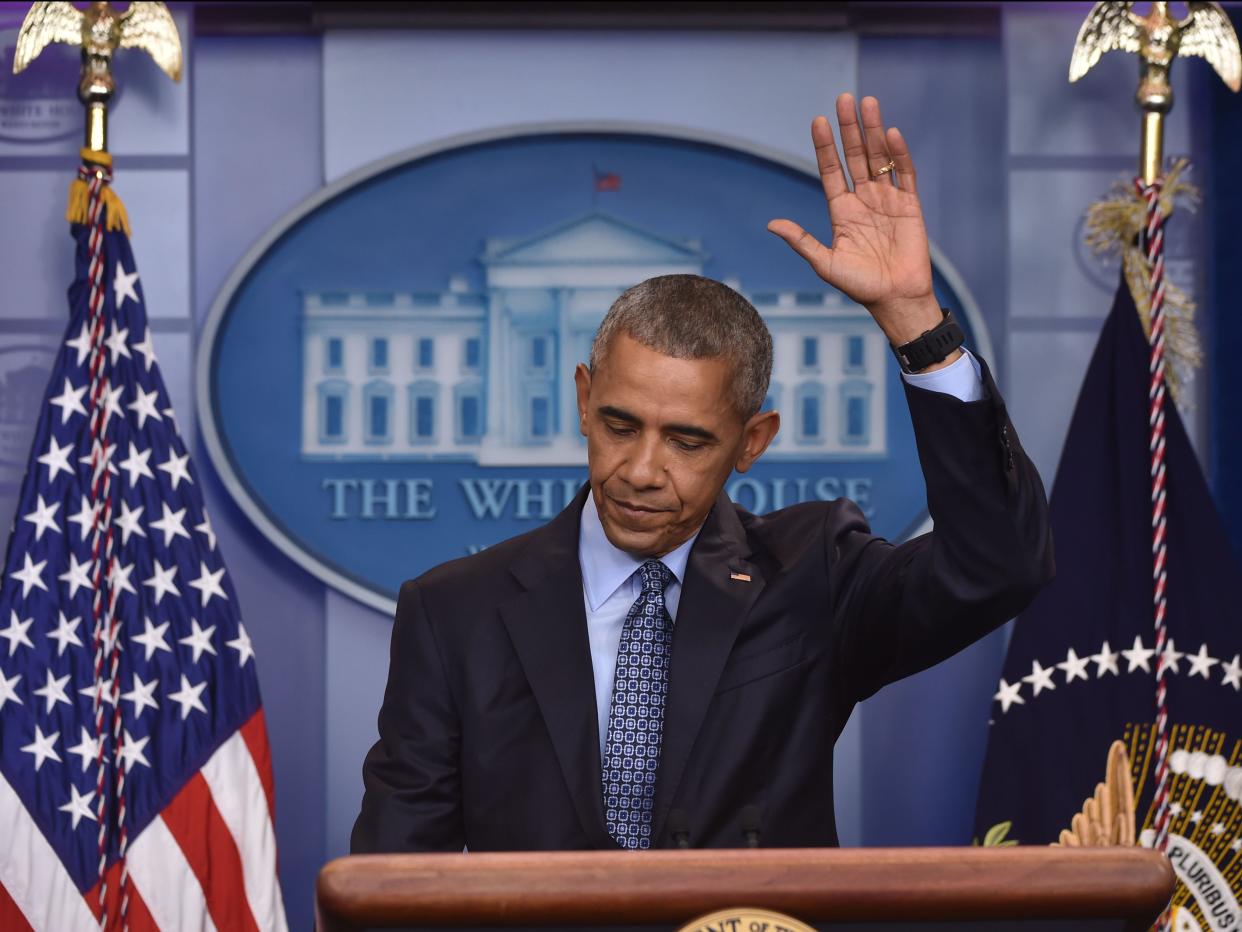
(862, 888)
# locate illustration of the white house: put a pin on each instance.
(487, 376)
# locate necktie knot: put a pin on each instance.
(655, 577)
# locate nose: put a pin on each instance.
(644, 469)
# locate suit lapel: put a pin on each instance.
(711, 611)
(547, 624)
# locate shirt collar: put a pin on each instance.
(606, 568)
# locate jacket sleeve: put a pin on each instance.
(412, 799)
(900, 609)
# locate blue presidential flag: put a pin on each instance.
(1081, 667)
(135, 776)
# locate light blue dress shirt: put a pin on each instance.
(610, 584)
(610, 580)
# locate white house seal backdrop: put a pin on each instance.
(386, 381)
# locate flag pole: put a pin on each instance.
(99, 31)
(1157, 38)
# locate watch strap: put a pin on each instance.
(932, 347)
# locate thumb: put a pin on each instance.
(804, 244)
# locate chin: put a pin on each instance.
(638, 543)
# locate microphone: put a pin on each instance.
(679, 828)
(752, 818)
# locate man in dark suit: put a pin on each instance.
(656, 661)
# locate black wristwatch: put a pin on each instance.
(933, 346)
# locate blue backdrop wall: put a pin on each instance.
(1009, 157)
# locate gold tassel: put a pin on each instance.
(78, 211)
(118, 219)
(1113, 227)
(78, 198)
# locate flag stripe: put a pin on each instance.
(254, 732)
(11, 918)
(240, 799)
(137, 917)
(32, 873)
(159, 870)
(195, 823)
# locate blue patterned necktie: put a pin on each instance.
(636, 720)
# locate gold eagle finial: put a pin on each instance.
(1158, 39)
(99, 31)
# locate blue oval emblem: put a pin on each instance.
(385, 382)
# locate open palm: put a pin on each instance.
(879, 254)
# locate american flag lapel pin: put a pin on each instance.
(740, 577)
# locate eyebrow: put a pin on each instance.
(685, 430)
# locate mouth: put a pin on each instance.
(635, 514)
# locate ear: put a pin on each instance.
(582, 382)
(759, 431)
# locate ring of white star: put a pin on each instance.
(1138, 657)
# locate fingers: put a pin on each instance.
(831, 174)
(804, 244)
(905, 164)
(873, 138)
(852, 144)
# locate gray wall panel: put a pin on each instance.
(256, 152)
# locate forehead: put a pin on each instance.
(661, 388)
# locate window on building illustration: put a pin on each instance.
(379, 353)
(379, 417)
(377, 412)
(334, 417)
(855, 418)
(810, 416)
(540, 417)
(472, 352)
(335, 360)
(808, 413)
(539, 352)
(426, 353)
(468, 403)
(810, 352)
(423, 397)
(425, 418)
(855, 354)
(856, 412)
(470, 416)
(333, 407)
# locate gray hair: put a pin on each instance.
(691, 317)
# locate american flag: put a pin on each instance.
(135, 773)
(607, 181)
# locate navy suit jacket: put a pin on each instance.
(488, 730)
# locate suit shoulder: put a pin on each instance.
(789, 532)
(474, 573)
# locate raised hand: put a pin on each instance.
(879, 255)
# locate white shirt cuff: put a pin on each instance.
(961, 379)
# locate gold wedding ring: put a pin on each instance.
(884, 170)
